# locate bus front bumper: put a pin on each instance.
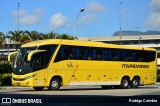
(28, 83)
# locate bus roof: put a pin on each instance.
(81, 43)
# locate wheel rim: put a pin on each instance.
(135, 83)
(125, 83)
(54, 84)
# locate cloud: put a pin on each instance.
(92, 11)
(156, 5)
(95, 7)
(29, 19)
(58, 21)
(154, 18)
(88, 18)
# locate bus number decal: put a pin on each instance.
(134, 66)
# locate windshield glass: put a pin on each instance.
(21, 59)
(22, 56)
(38, 60)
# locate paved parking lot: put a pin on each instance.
(84, 96)
(86, 90)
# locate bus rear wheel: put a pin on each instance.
(135, 83)
(125, 83)
(38, 88)
(55, 84)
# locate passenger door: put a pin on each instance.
(39, 70)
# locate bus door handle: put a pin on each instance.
(36, 79)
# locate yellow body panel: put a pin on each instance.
(87, 72)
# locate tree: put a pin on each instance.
(33, 35)
(16, 36)
(24, 39)
(66, 36)
(49, 35)
(2, 38)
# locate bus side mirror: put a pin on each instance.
(33, 52)
(12, 53)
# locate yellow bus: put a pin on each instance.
(55, 63)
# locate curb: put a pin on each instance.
(13, 87)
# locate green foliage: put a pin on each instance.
(5, 68)
(22, 37)
(5, 73)
(2, 38)
(66, 36)
(6, 79)
(0, 77)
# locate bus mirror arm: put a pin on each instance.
(12, 53)
(33, 52)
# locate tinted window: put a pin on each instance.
(103, 54)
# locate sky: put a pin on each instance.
(99, 18)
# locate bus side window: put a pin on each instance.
(110, 54)
(149, 56)
(138, 56)
(49, 52)
(85, 54)
(114, 55)
(99, 54)
(69, 52)
(39, 61)
(104, 54)
(90, 53)
(59, 55)
(70, 56)
(80, 53)
(94, 54)
(128, 55)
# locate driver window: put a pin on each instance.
(39, 62)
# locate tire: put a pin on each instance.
(135, 83)
(38, 88)
(125, 83)
(55, 84)
(106, 87)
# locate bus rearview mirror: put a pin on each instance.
(33, 52)
(12, 53)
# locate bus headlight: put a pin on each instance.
(28, 77)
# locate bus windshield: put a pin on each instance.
(21, 59)
(39, 60)
(22, 56)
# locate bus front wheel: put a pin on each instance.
(135, 83)
(55, 84)
(38, 88)
(125, 83)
